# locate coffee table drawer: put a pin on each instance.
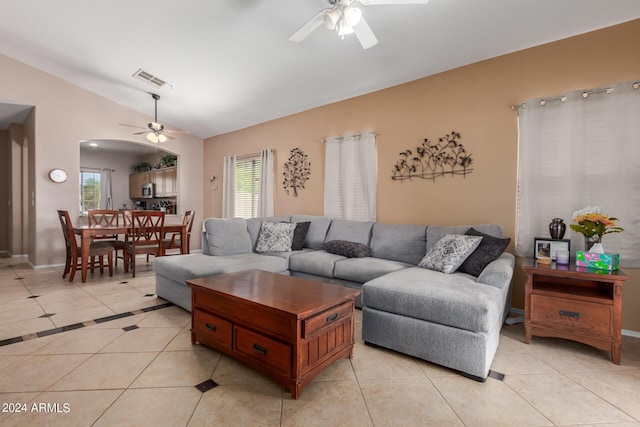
(263, 349)
(213, 327)
(577, 315)
(317, 322)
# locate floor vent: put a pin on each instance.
(149, 78)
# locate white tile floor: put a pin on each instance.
(104, 375)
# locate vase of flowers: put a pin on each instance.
(593, 224)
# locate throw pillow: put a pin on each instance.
(450, 251)
(490, 248)
(275, 237)
(348, 249)
(299, 235)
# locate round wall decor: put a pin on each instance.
(58, 175)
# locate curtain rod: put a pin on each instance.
(341, 137)
(585, 94)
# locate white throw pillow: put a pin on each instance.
(275, 237)
(450, 252)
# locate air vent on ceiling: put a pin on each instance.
(149, 78)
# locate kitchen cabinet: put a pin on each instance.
(136, 181)
(165, 182)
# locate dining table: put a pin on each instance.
(87, 232)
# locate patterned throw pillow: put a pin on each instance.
(449, 252)
(348, 249)
(275, 237)
(490, 248)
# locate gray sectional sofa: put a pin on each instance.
(450, 319)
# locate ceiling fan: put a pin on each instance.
(344, 17)
(156, 131)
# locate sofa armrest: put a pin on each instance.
(499, 272)
(205, 243)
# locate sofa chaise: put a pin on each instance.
(450, 319)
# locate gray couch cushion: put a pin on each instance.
(254, 224)
(352, 231)
(185, 267)
(317, 229)
(436, 232)
(227, 236)
(449, 299)
(364, 269)
(320, 263)
(399, 242)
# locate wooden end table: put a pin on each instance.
(576, 303)
(286, 327)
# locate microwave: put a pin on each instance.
(147, 191)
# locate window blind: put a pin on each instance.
(247, 187)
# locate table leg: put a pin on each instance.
(84, 256)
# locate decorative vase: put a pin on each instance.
(557, 227)
(591, 242)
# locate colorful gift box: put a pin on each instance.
(598, 261)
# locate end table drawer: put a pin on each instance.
(213, 327)
(263, 349)
(577, 315)
(316, 323)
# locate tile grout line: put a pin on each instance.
(73, 326)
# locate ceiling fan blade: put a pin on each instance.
(140, 133)
(131, 126)
(308, 27)
(364, 34)
(177, 132)
(377, 2)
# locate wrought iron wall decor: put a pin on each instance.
(431, 161)
(296, 171)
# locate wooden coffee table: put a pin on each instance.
(286, 327)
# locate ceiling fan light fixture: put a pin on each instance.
(152, 137)
(331, 18)
(344, 28)
(352, 15)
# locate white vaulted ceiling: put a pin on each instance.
(230, 65)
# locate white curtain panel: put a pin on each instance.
(581, 149)
(106, 198)
(265, 201)
(229, 187)
(350, 182)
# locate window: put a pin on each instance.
(89, 190)
(576, 150)
(350, 177)
(247, 195)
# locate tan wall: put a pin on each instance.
(64, 115)
(474, 100)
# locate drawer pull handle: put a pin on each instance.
(573, 314)
(333, 317)
(259, 349)
(210, 326)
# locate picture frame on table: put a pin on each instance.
(546, 248)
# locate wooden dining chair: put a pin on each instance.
(174, 240)
(96, 249)
(107, 217)
(145, 235)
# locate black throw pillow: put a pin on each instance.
(299, 235)
(490, 249)
(348, 249)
